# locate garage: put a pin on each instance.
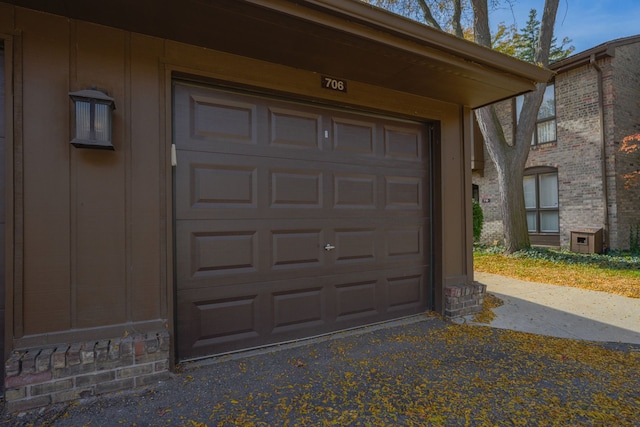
(294, 219)
(253, 192)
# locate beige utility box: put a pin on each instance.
(587, 241)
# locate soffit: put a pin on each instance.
(342, 38)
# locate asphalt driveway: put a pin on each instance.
(418, 372)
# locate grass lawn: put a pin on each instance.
(614, 274)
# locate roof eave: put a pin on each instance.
(603, 50)
(411, 30)
(349, 39)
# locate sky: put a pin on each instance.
(587, 23)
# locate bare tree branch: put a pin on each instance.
(546, 32)
(457, 18)
(428, 17)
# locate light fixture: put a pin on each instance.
(93, 118)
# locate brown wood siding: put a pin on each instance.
(97, 226)
(3, 220)
(456, 231)
(146, 164)
(99, 180)
(93, 234)
(46, 265)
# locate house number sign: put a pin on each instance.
(334, 84)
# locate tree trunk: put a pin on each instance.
(509, 162)
(510, 159)
(481, 30)
(513, 210)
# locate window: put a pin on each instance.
(475, 192)
(541, 200)
(546, 122)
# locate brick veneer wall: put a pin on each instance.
(38, 377)
(626, 121)
(461, 300)
(577, 152)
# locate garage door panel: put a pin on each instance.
(283, 310)
(213, 252)
(404, 243)
(207, 183)
(225, 252)
(355, 245)
(298, 309)
(215, 119)
(231, 186)
(223, 186)
(293, 220)
(219, 253)
(209, 323)
(404, 192)
(355, 191)
(357, 300)
(354, 136)
(404, 142)
(296, 188)
(218, 320)
(405, 292)
(297, 248)
(248, 315)
(295, 129)
(228, 123)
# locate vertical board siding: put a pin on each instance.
(46, 230)
(453, 203)
(146, 171)
(2, 200)
(100, 187)
(92, 230)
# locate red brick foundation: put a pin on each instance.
(461, 300)
(39, 377)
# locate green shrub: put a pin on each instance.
(478, 221)
(634, 239)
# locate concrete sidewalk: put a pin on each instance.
(562, 311)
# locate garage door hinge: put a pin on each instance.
(174, 158)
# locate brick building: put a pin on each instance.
(573, 177)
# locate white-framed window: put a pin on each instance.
(541, 200)
(546, 122)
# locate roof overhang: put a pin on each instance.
(607, 49)
(348, 39)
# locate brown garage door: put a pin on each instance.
(294, 220)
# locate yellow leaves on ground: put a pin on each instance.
(454, 375)
(620, 282)
(486, 315)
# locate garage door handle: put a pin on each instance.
(329, 247)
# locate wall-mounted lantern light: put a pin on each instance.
(93, 118)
